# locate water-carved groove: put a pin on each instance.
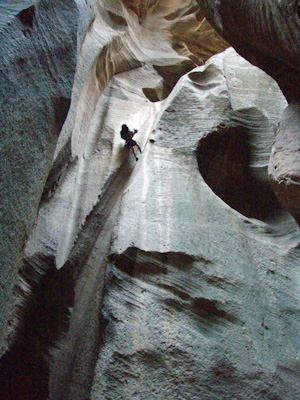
(46, 297)
(58, 170)
(203, 310)
(43, 315)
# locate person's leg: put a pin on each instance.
(134, 154)
(139, 147)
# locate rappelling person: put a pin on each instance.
(127, 135)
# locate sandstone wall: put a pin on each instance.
(174, 276)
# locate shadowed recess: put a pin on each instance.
(157, 93)
(46, 295)
(172, 73)
(26, 16)
(151, 94)
(135, 262)
(116, 19)
(201, 309)
(61, 165)
(224, 158)
(178, 13)
(207, 79)
(61, 107)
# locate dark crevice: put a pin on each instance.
(61, 106)
(208, 308)
(43, 316)
(151, 94)
(26, 32)
(117, 19)
(62, 163)
(201, 309)
(21, 62)
(127, 262)
(26, 16)
(172, 73)
(136, 262)
(179, 14)
(158, 93)
(224, 158)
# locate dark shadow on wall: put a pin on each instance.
(46, 295)
(26, 16)
(224, 158)
(61, 106)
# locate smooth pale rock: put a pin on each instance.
(42, 42)
(77, 167)
(194, 304)
(201, 294)
(104, 98)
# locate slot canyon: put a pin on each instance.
(174, 273)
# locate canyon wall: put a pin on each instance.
(171, 276)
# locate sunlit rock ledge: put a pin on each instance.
(174, 276)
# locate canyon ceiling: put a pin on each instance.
(175, 276)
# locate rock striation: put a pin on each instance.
(173, 277)
(39, 42)
(201, 252)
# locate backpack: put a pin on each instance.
(125, 132)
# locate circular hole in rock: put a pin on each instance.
(224, 162)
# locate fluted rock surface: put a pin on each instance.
(193, 305)
(38, 59)
(42, 42)
(173, 277)
(267, 34)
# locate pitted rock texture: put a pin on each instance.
(173, 277)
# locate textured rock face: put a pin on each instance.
(171, 277)
(38, 60)
(267, 34)
(193, 303)
(284, 162)
(271, 46)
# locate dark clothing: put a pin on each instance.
(127, 135)
(130, 143)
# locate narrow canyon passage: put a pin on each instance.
(175, 276)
